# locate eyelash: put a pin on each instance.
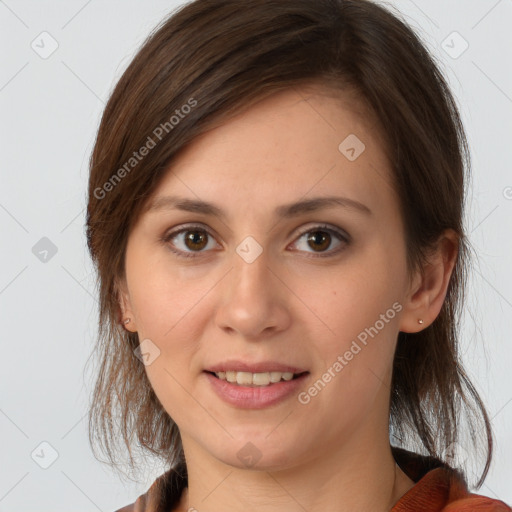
(321, 227)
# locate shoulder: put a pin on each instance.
(477, 503)
(442, 490)
(439, 488)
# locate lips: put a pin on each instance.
(261, 367)
(256, 396)
(255, 379)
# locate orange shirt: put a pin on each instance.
(438, 489)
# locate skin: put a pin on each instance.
(285, 306)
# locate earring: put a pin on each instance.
(127, 321)
(420, 321)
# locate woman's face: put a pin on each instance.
(318, 289)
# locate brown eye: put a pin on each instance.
(187, 241)
(319, 240)
(191, 241)
(195, 240)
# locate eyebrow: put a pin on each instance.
(284, 211)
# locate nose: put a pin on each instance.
(254, 301)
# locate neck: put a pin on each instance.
(354, 479)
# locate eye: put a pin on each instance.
(320, 238)
(195, 239)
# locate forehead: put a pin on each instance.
(290, 144)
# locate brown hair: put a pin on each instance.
(211, 59)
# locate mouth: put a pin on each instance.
(256, 380)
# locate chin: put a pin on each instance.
(258, 455)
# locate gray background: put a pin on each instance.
(50, 110)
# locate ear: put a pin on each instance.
(429, 286)
(126, 312)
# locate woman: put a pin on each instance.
(275, 211)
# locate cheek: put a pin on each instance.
(357, 309)
(347, 299)
(163, 295)
(355, 354)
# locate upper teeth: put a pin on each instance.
(255, 379)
